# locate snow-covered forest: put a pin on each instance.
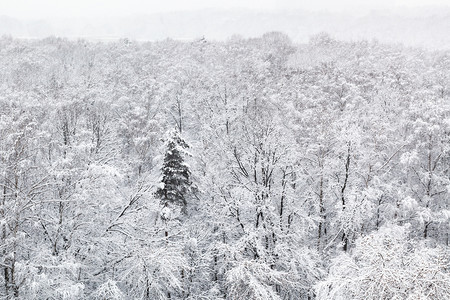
(241, 169)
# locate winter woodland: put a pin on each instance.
(251, 168)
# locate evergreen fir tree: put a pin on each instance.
(175, 180)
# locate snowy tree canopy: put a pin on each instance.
(247, 169)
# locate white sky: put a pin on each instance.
(37, 9)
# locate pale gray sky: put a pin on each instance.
(38, 9)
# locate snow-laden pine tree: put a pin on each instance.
(175, 183)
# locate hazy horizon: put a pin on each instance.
(412, 26)
(44, 9)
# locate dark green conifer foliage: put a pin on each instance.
(175, 181)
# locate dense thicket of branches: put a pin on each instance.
(317, 171)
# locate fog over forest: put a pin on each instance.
(426, 27)
(226, 154)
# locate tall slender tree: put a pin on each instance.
(175, 182)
